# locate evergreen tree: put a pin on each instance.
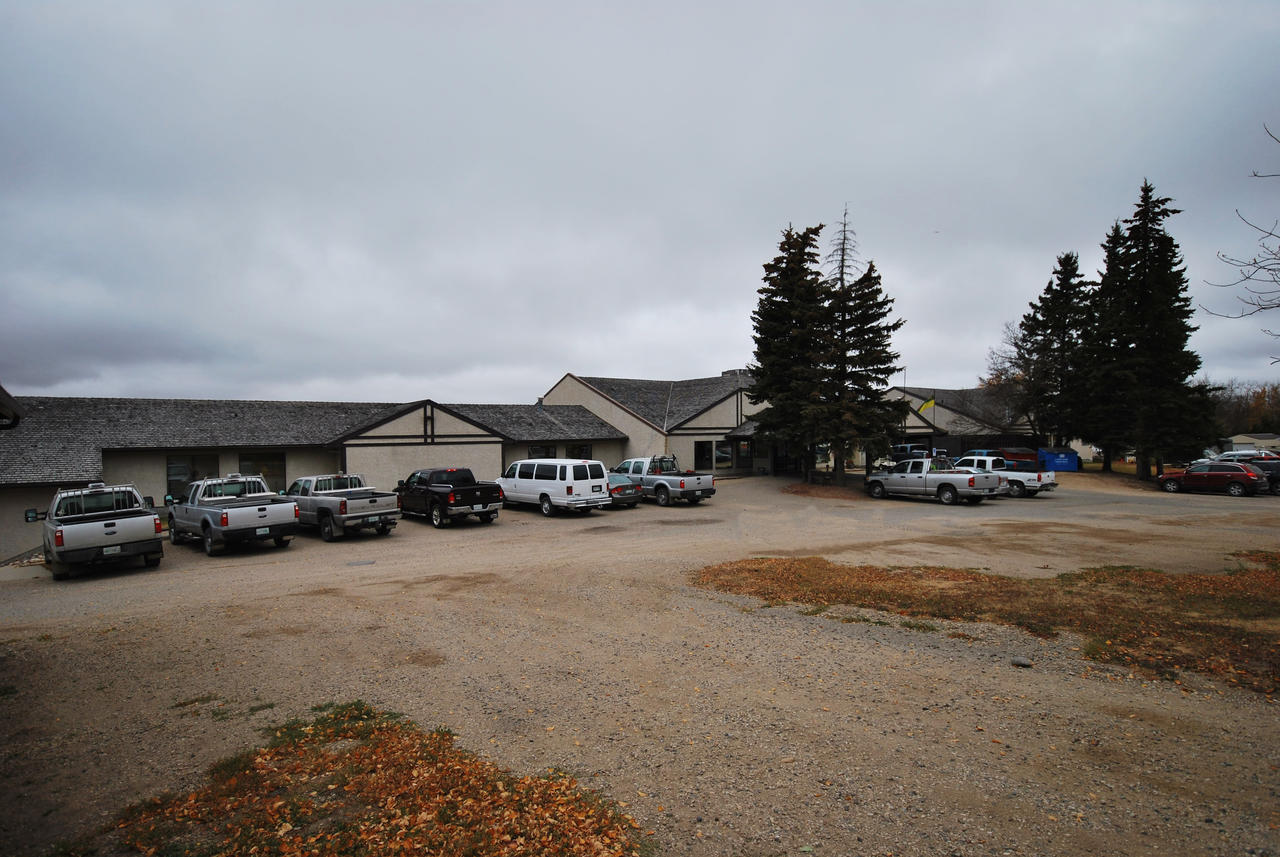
(1107, 417)
(1160, 313)
(1050, 352)
(788, 369)
(861, 361)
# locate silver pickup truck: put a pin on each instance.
(339, 502)
(1022, 483)
(231, 509)
(99, 523)
(661, 478)
(933, 477)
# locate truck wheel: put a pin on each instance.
(383, 529)
(487, 517)
(438, 517)
(1017, 489)
(326, 528)
(876, 490)
(544, 503)
(282, 541)
(210, 547)
(175, 537)
(693, 501)
(151, 560)
(973, 501)
(947, 495)
(662, 495)
(59, 570)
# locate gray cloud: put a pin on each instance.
(465, 201)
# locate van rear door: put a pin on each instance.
(588, 479)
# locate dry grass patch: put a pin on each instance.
(359, 782)
(1226, 625)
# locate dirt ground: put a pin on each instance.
(727, 727)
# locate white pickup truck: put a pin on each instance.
(231, 509)
(660, 477)
(99, 523)
(933, 477)
(1022, 483)
(340, 502)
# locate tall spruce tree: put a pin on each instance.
(1160, 319)
(1051, 337)
(789, 320)
(1107, 417)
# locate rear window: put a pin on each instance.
(580, 472)
(596, 469)
(545, 471)
(88, 504)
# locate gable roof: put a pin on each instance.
(977, 404)
(667, 405)
(61, 439)
(531, 423)
(10, 411)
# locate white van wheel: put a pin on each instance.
(544, 502)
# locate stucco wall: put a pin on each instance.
(384, 466)
(16, 535)
(642, 438)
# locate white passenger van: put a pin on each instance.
(557, 483)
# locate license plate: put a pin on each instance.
(597, 488)
(477, 507)
(111, 550)
(263, 531)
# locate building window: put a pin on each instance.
(578, 450)
(724, 454)
(542, 452)
(182, 469)
(269, 464)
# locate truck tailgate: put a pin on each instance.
(265, 514)
(109, 531)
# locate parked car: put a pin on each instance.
(660, 477)
(445, 494)
(231, 509)
(337, 503)
(1021, 483)
(933, 477)
(1271, 467)
(556, 483)
(1247, 455)
(99, 523)
(623, 492)
(1237, 479)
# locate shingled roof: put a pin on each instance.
(976, 403)
(669, 404)
(61, 439)
(532, 423)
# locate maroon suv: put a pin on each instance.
(1236, 479)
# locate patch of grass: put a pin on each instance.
(815, 610)
(1222, 624)
(355, 781)
(912, 625)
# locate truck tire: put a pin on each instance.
(383, 529)
(59, 570)
(973, 501)
(545, 504)
(487, 517)
(282, 541)
(1017, 489)
(438, 517)
(151, 560)
(210, 547)
(876, 490)
(693, 501)
(947, 495)
(175, 537)
(326, 528)
(663, 495)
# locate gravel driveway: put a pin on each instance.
(727, 727)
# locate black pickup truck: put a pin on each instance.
(446, 493)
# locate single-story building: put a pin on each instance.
(1254, 440)
(161, 444)
(956, 420)
(705, 422)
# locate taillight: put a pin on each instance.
(297, 513)
(342, 507)
(568, 489)
(399, 501)
(501, 496)
(57, 537)
(223, 521)
(451, 499)
(1038, 475)
(972, 481)
(681, 484)
(156, 519)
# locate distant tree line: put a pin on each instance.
(823, 353)
(1107, 360)
(1247, 408)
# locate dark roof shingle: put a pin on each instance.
(532, 423)
(669, 404)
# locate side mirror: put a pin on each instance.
(281, 492)
(168, 499)
(31, 516)
(399, 483)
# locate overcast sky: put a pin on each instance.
(464, 201)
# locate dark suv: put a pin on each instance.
(1237, 479)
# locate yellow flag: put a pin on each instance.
(926, 405)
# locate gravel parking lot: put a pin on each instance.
(725, 726)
